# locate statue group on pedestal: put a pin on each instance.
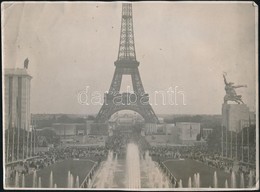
(231, 94)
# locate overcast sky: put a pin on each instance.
(189, 45)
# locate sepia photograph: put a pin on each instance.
(158, 96)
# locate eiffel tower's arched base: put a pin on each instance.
(108, 110)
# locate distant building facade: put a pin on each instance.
(188, 132)
(169, 129)
(206, 132)
(17, 87)
(69, 129)
(150, 128)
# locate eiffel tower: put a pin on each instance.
(126, 64)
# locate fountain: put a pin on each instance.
(51, 180)
(233, 180)
(55, 185)
(68, 180)
(71, 181)
(77, 182)
(105, 175)
(189, 183)
(198, 180)
(23, 181)
(40, 182)
(242, 181)
(153, 173)
(159, 178)
(166, 183)
(34, 179)
(194, 180)
(89, 183)
(180, 183)
(133, 166)
(250, 181)
(226, 184)
(215, 180)
(16, 179)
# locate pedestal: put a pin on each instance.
(233, 114)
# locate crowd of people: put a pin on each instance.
(117, 143)
(45, 159)
(201, 153)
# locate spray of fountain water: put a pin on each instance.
(89, 182)
(159, 178)
(226, 184)
(16, 179)
(133, 166)
(242, 181)
(34, 179)
(189, 183)
(215, 180)
(68, 180)
(40, 182)
(105, 175)
(194, 180)
(180, 183)
(55, 185)
(153, 173)
(51, 180)
(71, 181)
(198, 180)
(77, 182)
(233, 180)
(23, 181)
(250, 182)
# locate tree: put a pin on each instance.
(64, 119)
(79, 120)
(91, 117)
(198, 137)
(50, 136)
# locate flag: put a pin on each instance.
(17, 111)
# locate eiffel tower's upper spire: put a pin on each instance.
(127, 44)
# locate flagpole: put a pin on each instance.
(31, 143)
(18, 142)
(36, 143)
(23, 143)
(34, 140)
(248, 144)
(8, 140)
(249, 122)
(242, 144)
(27, 144)
(231, 147)
(222, 140)
(13, 143)
(18, 129)
(236, 145)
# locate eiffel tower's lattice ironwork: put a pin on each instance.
(127, 43)
(126, 64)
